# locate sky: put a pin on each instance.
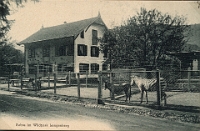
(33, 16)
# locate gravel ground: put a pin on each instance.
(171, 112)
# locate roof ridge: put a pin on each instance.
(62, 30)
(69, 23)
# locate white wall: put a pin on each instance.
(87, 40)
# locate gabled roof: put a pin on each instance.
(61, 31)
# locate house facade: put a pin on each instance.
(188, 60)
(68, 47)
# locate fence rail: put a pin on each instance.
(182, 80)
(75, 84)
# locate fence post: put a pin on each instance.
(48, 79)
(199, 77)
(129, 81)
(112, 87)
(21, 77)
(69, 78)
(54, 74)
(189, 78)
(36, 72)
(99, 101)
(78, 85)
(9, 79)
(158, 88)
(66, 79)
(86, 79)
(129, 77)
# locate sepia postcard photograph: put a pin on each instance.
(100, 65)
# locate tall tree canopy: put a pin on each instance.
(146, 38)
(8, 54)
(4, 22)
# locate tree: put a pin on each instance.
(147, 37)
(4, 22)
(8, 54)
(107, 45)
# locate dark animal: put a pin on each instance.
(119, 89)
(36, 84)
(30, 83)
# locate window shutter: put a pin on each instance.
(97, 52)
(79, 50)
(85, 50)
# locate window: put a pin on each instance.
(41, 68)
(94, 51)
(70, 50)
(105, 67)
(60, 50)
(82, 34)
(32, 69)
(64, 50)
(83, 68)
(45, 68)
(82, 50)
(46, 51)
(49, 68)
(31, 53)
(105, 52)
(94, 37)
(59, 68)
(94, 68)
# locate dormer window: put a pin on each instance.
(82, 34)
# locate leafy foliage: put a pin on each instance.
(8, 55)
(4, 22)
(146, 38)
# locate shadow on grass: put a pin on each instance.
(153, 105)
(191, 109)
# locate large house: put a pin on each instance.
(68, 47)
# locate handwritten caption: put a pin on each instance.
(42, 125)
